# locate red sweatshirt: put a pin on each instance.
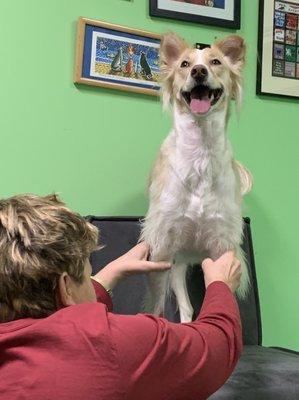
(84, 352)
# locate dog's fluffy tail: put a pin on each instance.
(244, 287)
(246, 178)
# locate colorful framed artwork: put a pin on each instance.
(117, 57)
(225, 13)
(278, 48)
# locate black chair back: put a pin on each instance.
(119, 234)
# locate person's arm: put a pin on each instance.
(162, 360)
(103, 296)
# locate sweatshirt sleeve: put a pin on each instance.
(190, 361)
(102, 294)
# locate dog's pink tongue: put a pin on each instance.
(200, 106)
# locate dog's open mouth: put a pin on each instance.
(201, 98)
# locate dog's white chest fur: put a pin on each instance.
(199, 193)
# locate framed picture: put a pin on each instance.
(117, 57)
(278, 48)
(225, 13)
(201, 46)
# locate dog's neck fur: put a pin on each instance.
(201, 144)
(208, 131)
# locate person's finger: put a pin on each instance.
(156, 266)
(229, 256)
(140, 250)
(236, 260)
(142, 246)
(206, 262)
(144, 250)
(237, 264)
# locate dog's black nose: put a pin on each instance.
(199, 72)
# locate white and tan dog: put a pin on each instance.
(196, 187)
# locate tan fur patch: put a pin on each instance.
(159, 172)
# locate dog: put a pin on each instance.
(196, 186)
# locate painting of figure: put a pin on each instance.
(124, 58)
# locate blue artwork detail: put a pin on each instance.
(219, 4)
(279, 19)
(121, 58)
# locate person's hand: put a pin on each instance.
(135, 261)
(132, 262)
(226, 269)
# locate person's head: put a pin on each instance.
(44, 252)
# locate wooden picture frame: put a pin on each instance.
(117, 57)
(278, 49)
(224, 13)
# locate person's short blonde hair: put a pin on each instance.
(40, 238)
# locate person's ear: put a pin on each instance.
(64, 290)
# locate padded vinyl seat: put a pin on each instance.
(262, 373)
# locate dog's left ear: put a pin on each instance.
(234, 48)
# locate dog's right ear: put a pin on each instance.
(234, 48)
(171, 48)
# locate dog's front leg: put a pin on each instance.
(158, 286)
(179, 286)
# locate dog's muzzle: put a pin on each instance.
(201, 98)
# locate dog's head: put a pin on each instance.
(201, 81)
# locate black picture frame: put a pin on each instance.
(201, 46)
(235, 23)
(274, 91)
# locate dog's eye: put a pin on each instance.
(215, 62)
(185, 64)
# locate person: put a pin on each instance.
(59, 338)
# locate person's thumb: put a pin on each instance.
(206, 263)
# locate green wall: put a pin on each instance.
(95, 147)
